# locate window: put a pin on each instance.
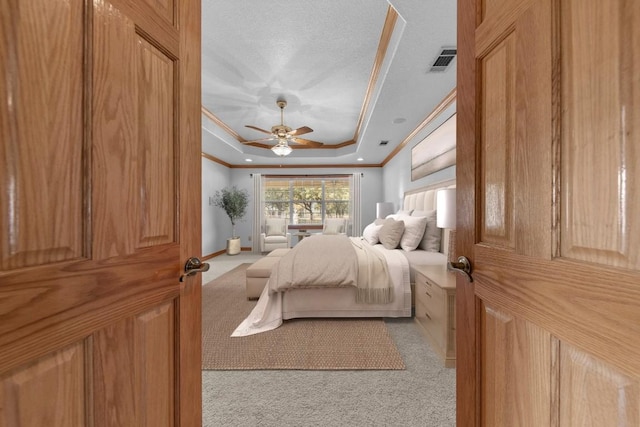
(307, 200)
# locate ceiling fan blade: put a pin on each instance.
(258, 129)
(253, 141)
(306, 142)
(301, 131)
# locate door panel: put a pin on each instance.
(155, 330)
(60, 376)
(601, 208)
(114, 142)
(124, 139)
(156, 78)
(40, 129)
(100, 158)
(548, 213)
(498, 75)
(137, 378)
(582, 376)
(516, 367)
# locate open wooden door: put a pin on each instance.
(549, 213)
(99, 210)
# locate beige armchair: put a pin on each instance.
(334, 226)
(275, 235)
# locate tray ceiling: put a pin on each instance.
(356, 72)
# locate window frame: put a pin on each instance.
(291, 212)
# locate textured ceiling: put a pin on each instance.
(320, 56)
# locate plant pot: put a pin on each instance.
(233, 246)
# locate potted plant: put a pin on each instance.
(234, 202)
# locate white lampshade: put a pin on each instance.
(446, 208)
(383, 209)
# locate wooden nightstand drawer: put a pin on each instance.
(432, 297)
(435, 308)
(430, 311)
(422, 316)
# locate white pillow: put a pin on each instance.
(275, 227)
(432, 234)
(371, 232)
(414, 227)
(333, 226)
(391, 233)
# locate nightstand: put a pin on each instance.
(435, 305)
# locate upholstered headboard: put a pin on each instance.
(424, 199)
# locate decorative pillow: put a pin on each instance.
(371, 232)
(391, 233)
(432, 234)
(333, 226)
(275, 227)
(402, 212)
(414, 227)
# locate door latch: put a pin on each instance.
(193, 266)
(463, 265)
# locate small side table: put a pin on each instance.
(435, 289)
(301, 235)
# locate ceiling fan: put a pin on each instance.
(284, 135)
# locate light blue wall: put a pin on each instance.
(216, 226)
(396, 174)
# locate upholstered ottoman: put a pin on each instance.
(278, 252)
(258, 274)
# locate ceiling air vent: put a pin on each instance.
(444, 59)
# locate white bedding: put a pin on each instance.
(273, 308)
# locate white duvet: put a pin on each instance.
(268, 312)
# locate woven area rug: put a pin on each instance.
(305, 344)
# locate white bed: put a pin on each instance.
(273, 308)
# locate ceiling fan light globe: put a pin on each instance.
(281, 150)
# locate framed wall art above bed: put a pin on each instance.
(435, 152)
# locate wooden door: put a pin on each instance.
(549, 212)
(100, 179)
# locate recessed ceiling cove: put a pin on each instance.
(327, 59)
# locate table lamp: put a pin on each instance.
(446, 217)
(383, 209)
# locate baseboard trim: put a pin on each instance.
(223, 252)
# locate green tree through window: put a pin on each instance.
(307, 200)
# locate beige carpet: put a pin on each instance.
(306, 344)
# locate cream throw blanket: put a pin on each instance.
(374, 281)
(335, 261)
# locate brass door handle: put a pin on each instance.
(193, 266)
(462, 266)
